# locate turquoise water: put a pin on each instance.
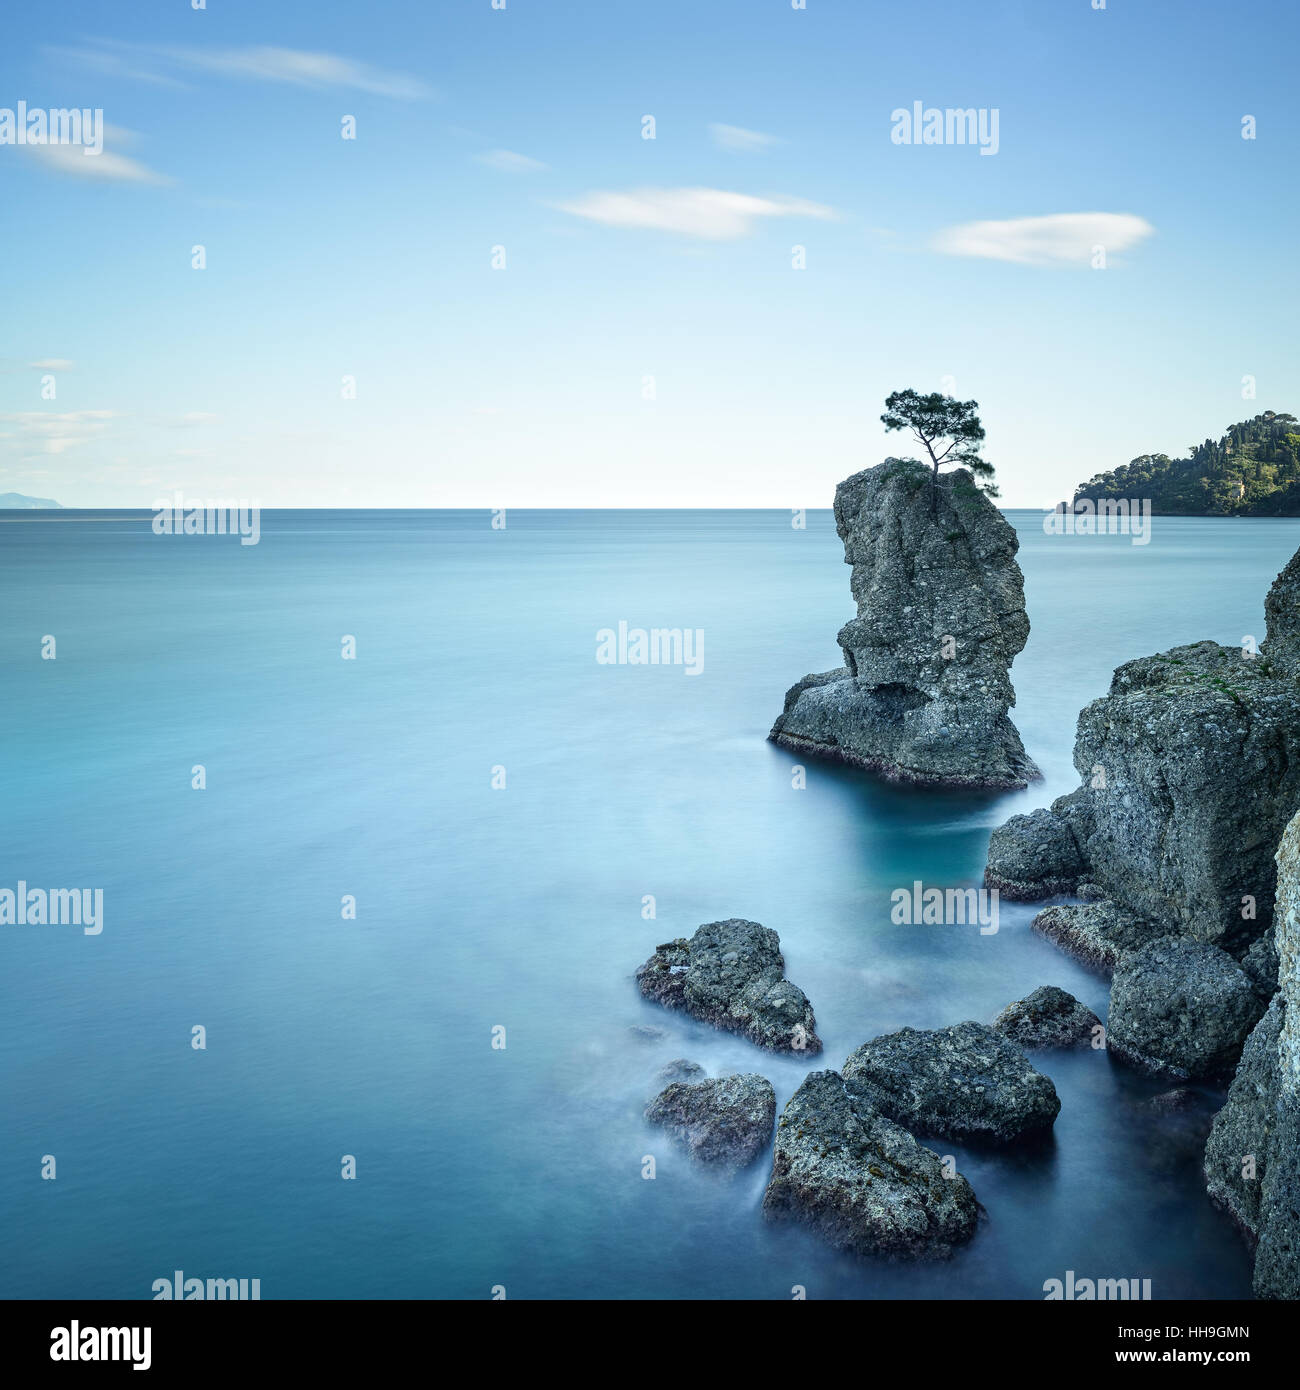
(518, 908)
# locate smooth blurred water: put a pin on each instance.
(519, 908)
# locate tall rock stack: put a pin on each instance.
(925, 688)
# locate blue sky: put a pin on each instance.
(522, 128)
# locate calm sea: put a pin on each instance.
(482, 907)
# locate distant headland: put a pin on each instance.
(16, 501)
(1254, 470)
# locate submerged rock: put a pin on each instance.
(924, 690)
(726, 1121)
(679, 1070)
(862, 1181)
(1097, 934)
(1049, 1017)
(1182, 1009)
(731, 974)
(963, 1082)
(1175, 1102)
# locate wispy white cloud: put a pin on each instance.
(1064, 238)
(52, 432)
(52, 364)
(262, 63)
(741, 141)
(508, 162)
(106, 166)
(112, 61)
(709, 213)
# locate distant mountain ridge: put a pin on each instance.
(1253, 470)
(16, 501)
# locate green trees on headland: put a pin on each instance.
(1254, 470)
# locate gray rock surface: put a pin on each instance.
(925, 688)
(1281, 647)
(725, 1121)
(1242, 1129)
(963, 1082)
(1191, 770)
(1049, 1017)
(1033, 857)
(732, 974)
(1261, 1119)
(1097, 934)
(862, 1181)
(1277, 1254)
(1182, 1009)
(1260, 962)
(1201, 753)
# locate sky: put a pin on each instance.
(501, 294)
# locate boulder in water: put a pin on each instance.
(1049, 1017)
(963, 1082)
(861, 1181)
(732, 974)
(725, 1121)
(1182, 1009)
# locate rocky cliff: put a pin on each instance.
(925, 688)
(1191, 778)
(1252, 1159)
(1191, 771)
